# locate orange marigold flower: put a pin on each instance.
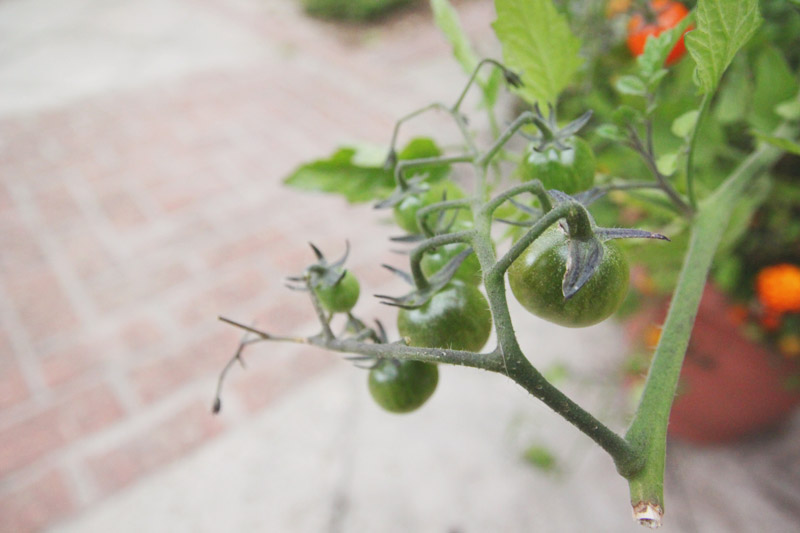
(778, 288)
(652, 335)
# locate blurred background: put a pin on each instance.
(142, 150)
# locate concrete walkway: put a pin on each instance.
(142, 148)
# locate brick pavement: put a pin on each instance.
(134, 213)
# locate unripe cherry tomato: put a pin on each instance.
(341, 297)
(536, 278)
(457, 317)
(668, 14)
(405, 213)
(469, 271)
(402, 386)
(569, 170)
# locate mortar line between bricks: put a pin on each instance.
(53, 252)
(96, 220)
(147, 416)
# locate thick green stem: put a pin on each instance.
(648, 431)
(516, 365)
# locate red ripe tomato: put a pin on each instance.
(667, 15)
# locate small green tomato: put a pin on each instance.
(402, 386)
(339, 297)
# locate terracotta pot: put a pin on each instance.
(730, 386)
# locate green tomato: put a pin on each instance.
(536, 276)
(570, 170)
(435, 260)
(402, 386)
(341, 297)
(405, 213)
(456, 317)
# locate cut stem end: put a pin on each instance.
(648, 514)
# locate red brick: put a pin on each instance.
(37, 504)
(156, 446)
(87, 256)
(81, 414)
(13, 387)
(289, 313)
(58, 208)
(42, 303)
(248, 246)
(224, 296)
(141, 333)
(121, 209)
(264, 382)
(183, 194)
(21, 251)
(72, 360)
(126, 289)
(204, 357)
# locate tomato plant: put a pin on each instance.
(536, 281)
(457, 317)
(650, 130)
(666, 14)
(402, 386)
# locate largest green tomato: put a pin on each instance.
(536, 276)
(457, 317)
(570, 170)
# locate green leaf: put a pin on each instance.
(723, 27)
(446, 18)
(775, 84)
(631, 85)
(735, 94)
(540, 457)
(667, 164)
(786, 145)
(625, 116)
(538, 44)
(611, 132)
(656, 50)
(789, 110)
(684, 124)
(357, 173)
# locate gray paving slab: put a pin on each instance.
(327, 459)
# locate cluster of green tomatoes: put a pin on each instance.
(458, 316)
